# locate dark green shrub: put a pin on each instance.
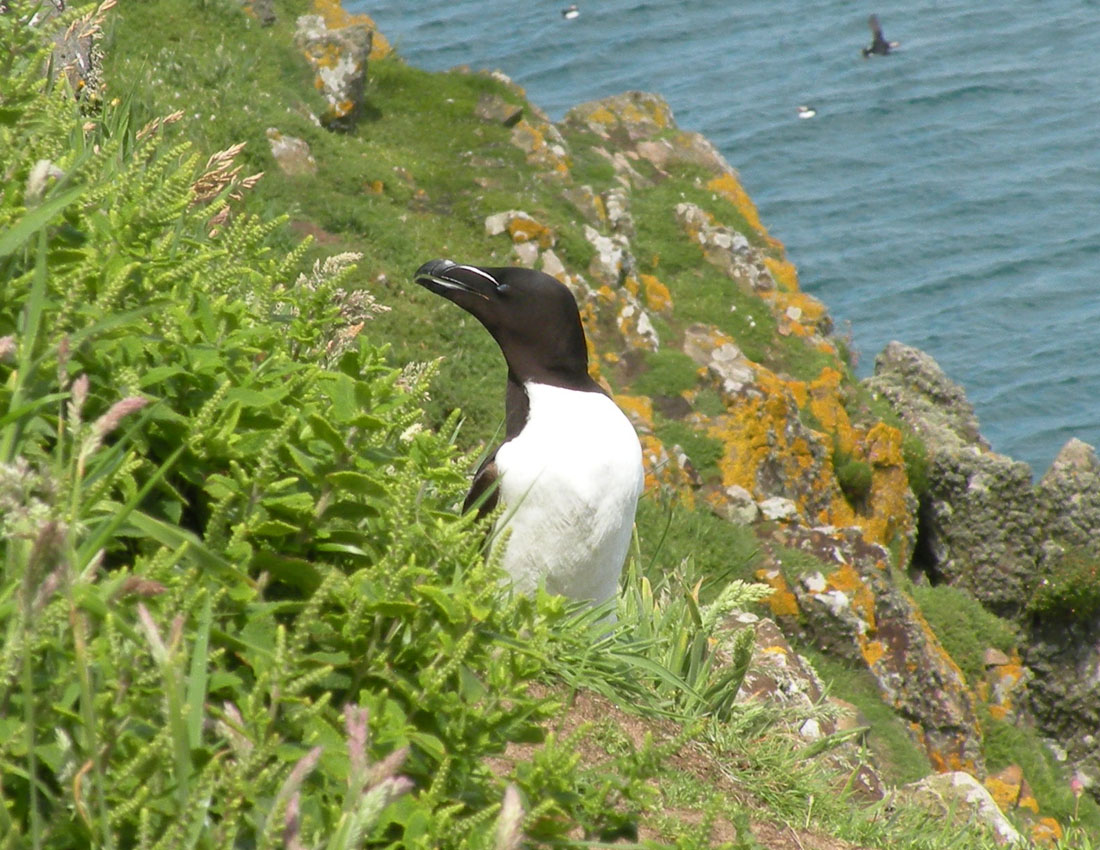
(1068, 587)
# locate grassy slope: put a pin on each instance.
(419, 139)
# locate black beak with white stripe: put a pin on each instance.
(569, 472)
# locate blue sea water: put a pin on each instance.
(947, 195)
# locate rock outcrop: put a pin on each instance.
(851, 607)
(1027, 552)
(978, 525)
(337, 46)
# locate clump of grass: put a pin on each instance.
(667, 372)
(703, 451)
(855, 478)
(915, 454)
(965, 628)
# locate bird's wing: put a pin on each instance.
(875, 26)
(485, 491)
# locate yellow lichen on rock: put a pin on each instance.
(782, 601)
(528, 230)
(531, 139)
(887, 515)
(601, 116)
(729, 187)
(872, 651)
(638, 408)
(656, 294)
(1046, 831)
(823, 398)
(849, 582)
(784, 273)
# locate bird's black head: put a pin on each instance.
(531, 315)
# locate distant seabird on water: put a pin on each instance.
(569, 472)
(879, 46)
(805, 111)
(570, 12)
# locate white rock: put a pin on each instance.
(552, 265)
(497, 223)
(960, 787)
(527, 253)
(778, 508)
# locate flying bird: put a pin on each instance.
(879, 45)
(569, 472)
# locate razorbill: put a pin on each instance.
(570, 12)
(805, 111)
(879, 46)
(569, 472)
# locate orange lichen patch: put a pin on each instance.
(811, 311)
(955, 762)
(374, 187)
(1004, 788)
(1010, 674)
(872, 651)
(882, 446)
(1027, 800)
(633, 113)
(606, 295)
(529, 230)
(601, 115)
(849, 582)
(782, 601)
(662, 472)
(337, 16)
(654, 459)
(638, 407)
(657, 296)
(631, 285)
(323, 56)
(887, 514)
(784, 273)
(527, 136)
(1046, 831)
(827, 408)
(729, 187)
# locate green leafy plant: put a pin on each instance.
(237, 605)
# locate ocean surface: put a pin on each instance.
(947, 195)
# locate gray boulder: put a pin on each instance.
(338, 56)
(1069, 497)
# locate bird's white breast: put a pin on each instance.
(570, 482)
